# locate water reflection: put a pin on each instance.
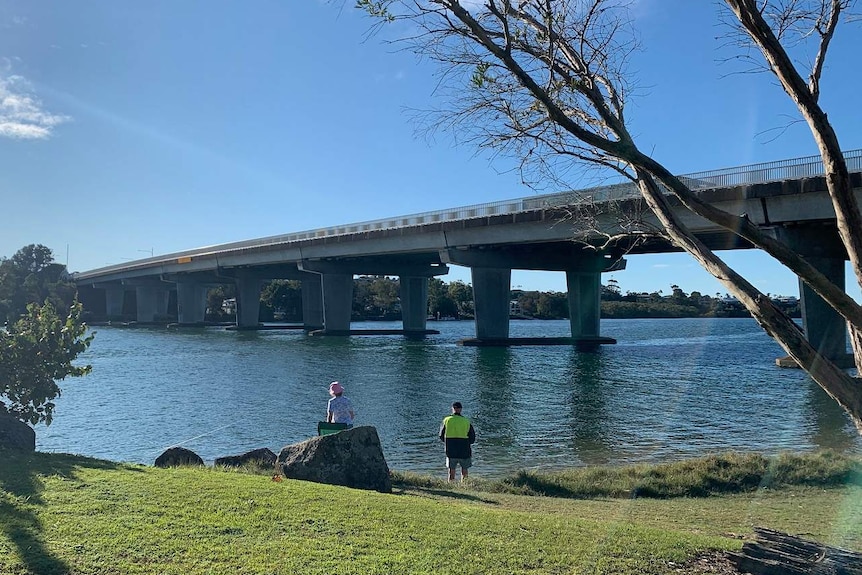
(587, 408)
(410, 396)
(415, 394)
(496, 404)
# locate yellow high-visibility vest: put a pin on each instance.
(456, 426)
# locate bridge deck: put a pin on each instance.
(785, 178)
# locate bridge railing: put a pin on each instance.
(804, 167)
(807, 166)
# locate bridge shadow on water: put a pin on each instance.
(21, 482)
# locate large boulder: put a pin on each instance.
(352, 458)
(16, 435)
(262, 457)
(177, 456)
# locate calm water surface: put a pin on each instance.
(669, 389)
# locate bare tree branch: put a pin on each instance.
(546, 82)
(826, 32)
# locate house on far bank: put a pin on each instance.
(514, 307)
(229, 306)
(786, 299)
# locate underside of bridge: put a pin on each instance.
(327, 282)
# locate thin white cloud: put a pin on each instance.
(21, 113)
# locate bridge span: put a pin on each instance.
(537, 232)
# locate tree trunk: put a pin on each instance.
(836, 382)
(775, 553)
(856, 346)
(805, 96)
(832, 294)
(580, 93)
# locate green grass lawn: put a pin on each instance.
(67, 514)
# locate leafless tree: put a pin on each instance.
(547, 81)
(776, 28)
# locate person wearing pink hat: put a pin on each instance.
(339, 409)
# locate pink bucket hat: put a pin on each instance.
(335, 388)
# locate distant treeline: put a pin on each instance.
(374, 298)
(377, 298)
(679, 304)
(32, 276)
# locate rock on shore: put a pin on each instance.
(16, 435)
(176, 456)
(263, 457)
(353, 458)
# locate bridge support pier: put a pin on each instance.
(114, 299)
(337, 302)
(491, 294)
(312, 302)
(247, 301)
(191, 302)
(414, 303)
(584, 295)
(824, 328)
(152, 302)
(492, 272)
(330, 299)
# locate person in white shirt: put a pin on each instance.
(339, 409)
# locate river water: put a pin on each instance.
(669, 389)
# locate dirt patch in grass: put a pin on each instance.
(709, 563)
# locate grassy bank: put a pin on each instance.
(711, 475)
(66, 514)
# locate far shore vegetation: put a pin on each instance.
(377, 298)
(70, 514)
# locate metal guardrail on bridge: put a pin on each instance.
(803, 167)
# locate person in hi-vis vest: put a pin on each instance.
(458, 434)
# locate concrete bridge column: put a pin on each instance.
(414, 302)
(114, 297)
(312, 302)
(247, 301)
(824, 327)
(821, 246)
(584, 303)
(337, 302)
(191, 302)
(491, 294)
(152, 302)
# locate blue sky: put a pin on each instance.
(127, 127)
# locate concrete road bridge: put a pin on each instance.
(538, 232)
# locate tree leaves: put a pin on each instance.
(36, 352)
(32, 276)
